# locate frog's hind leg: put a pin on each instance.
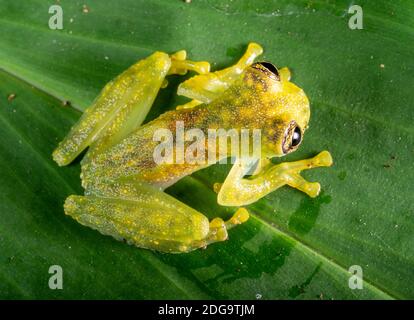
(148, 218)
(142, 96)
(122, 105)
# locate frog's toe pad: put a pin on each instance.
(312, 189)
(323, 159)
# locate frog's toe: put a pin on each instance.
(217, 187)
(181, 65)
(285, 74)
(239, 217)
(179, 55)
(312, 189)
(323, 159)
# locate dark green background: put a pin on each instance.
(293, 247)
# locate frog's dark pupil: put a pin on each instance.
(296, 137)
(270, 67)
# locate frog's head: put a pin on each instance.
(284, 108)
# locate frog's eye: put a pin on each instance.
(297, 137)
(267, 68)
(292, 138)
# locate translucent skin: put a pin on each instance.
(123, 184)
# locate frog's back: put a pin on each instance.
(133, 157)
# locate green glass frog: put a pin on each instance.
(123, 184)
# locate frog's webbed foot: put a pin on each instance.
(291, 172)
(147, 217)
(237, 191)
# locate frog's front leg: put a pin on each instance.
(206, 87)
(238, 191)
(147, 217)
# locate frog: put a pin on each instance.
(124, 187)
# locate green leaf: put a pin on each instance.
(360, 86)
